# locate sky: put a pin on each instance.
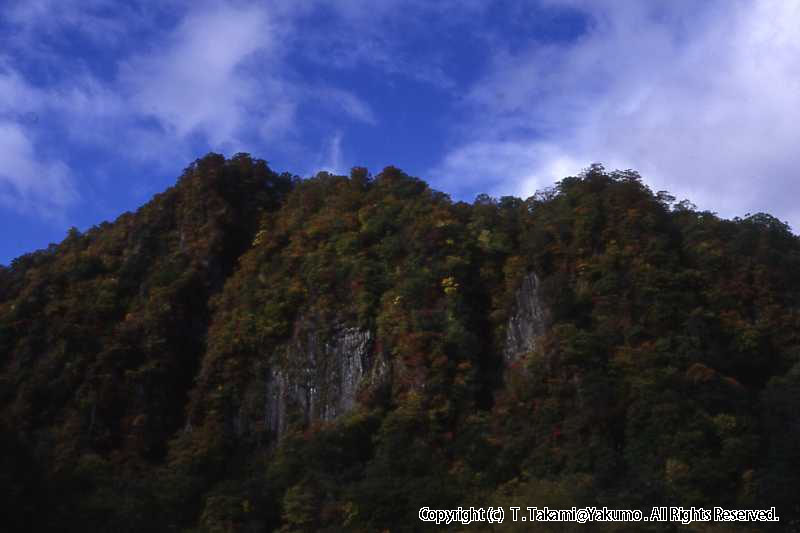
(104, 103)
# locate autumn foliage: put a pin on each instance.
(134, 357)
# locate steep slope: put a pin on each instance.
(252, 352)
(101, 336)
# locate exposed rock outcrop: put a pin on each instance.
(320, 379)
(528, 321)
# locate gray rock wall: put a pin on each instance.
(528, 321)
(320, 375)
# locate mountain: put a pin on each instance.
(253, 352)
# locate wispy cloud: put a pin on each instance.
(178, 78)
(344, 101)
(331, 159)
(198, 80)
(704, 100)
(16, 95)
(29, 180)
(500, 167)
(29, 183)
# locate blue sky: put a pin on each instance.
(103, 103)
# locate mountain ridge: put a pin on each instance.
(252, 351)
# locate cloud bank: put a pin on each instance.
(702, 99)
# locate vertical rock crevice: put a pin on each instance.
(528, 321)
(319, 379)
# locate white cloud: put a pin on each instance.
(200, 83)
(703, 102)
(16, 95)
(332, 160)
(497, 167)
(346, 102)
(222, 73)
(28, 183)
(209, 74)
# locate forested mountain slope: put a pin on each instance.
(250, 351)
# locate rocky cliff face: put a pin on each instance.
(320, 375)
(528, 321)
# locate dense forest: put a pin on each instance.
(251, 351)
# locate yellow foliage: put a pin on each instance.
(450, 285)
